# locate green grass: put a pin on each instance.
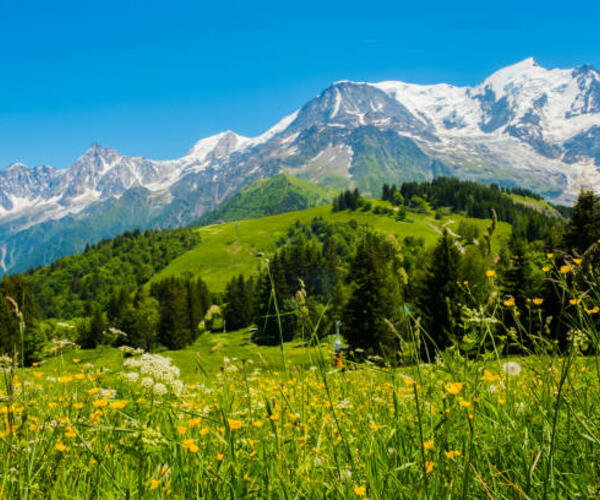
(232, 248)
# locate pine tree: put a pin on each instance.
(583, 228)
(374, 301)
(439, 297)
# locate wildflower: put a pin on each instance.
(574, 302)
(101, 403)
(549, 255)
(195, 422)
(537, 301)
(374, 427)
(451, 454)
(429, 467)
(159, 389)
(204, 431)
(490, 273)
(60, 446)
(464, 404)
(594, 310)
(428, 444)
(511, 368)
(37, 374)
(546, 269)
(489, 376)
(454, 387)
(78, 406)
(118, 405)
(70, 433)
(181, 430)
(234, 424)
(359, 491)
(76, 360)
(510, 302)
(577, 261)
(190, 445)
(154, 484)
(258, 424)
(564, 269)
(220, 457)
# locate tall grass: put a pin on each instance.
(473, 423)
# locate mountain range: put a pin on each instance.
(524, 126)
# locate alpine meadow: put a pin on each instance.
(381, 290)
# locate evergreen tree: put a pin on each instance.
(439, 297)
(374, 301)
(583, 228)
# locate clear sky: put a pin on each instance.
(152, 77)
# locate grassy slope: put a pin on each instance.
(540, 205)
(208, 351)
(279, 194)
(226, 250)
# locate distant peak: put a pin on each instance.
(98, 149)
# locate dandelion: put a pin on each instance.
(155, 483)
(578, 261)
(118, 405)
(220, 457)
(464, 404)
(374, 427)
(454, 387)
(452, 454)
(489, 376)
(546, 269)
(594, 310)
(181, 430)
(564, 269)
(549, 255)
(428, 444)
(101, 403)
(490, 273)
(574, 302)
(537, 301)
(511, 368)
(37, 374)
(429, 467)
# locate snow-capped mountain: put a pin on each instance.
(525, 125)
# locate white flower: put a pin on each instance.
(147, 382)
(511, 368)
(132, 376)
(160, 389)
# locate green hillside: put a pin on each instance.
(279, 194)
(228, 249)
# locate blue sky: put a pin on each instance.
(152, 77)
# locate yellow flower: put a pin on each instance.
(220, 456)
(118, 405)
(451, 454)
(70, 433)
(510, 302)
(359, 491)
(574, 302)
(32, 427)
(234, 424)
(80, 376)
(464, 404)
(374, 427)
(101, 403)
(181, 430)
(155, 483)
(549, 255)
(429, 467)
(204, 431)
(65, 379)
(428, 444)
(578, 261)
(594, 310)
(78, 406)
(195, 422)
(537, 301)
(35, 363)
(274, 416)
(93, 390)
(76, 360)
(490, 273)
(60, 446)
(489, 376)
(564, 269)
(454, 387)
(546, 269)
(190, 445)
(37, 374)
